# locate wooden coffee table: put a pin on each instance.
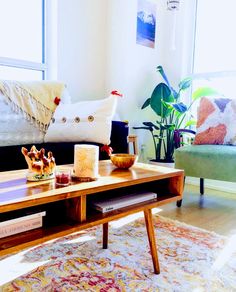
(68, 208)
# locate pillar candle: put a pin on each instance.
(86, 161)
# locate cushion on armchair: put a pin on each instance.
(215, 121)
(215, 127)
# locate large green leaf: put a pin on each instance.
(203, 91)
(161, 93)
(190, 123)
(146, 103)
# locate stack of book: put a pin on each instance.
(21, 224)
(109, 204)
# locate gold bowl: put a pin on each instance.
(123, 160)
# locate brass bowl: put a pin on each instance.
(123, 160)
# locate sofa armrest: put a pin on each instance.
(133, 139)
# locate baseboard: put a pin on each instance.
(224, 186)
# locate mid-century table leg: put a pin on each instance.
(105, 236)
(151, 239)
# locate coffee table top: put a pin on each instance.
(17, 193)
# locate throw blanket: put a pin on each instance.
(34, 100)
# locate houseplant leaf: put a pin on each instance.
(190, 123)
(161, 92)
(150, 124)
(185, 83)
(203, 91)
(180, 107)
(144, 128)
(146, 103)
(163, 74)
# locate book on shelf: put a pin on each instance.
(21, 224)
(109, 204)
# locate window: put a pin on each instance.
(22, 30)
(215, 46)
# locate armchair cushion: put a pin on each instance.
(214, 121)
(207, 161)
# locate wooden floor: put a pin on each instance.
(216, 213)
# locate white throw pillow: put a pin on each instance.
(65, 97)
(88, 121)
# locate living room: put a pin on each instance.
(92, 47)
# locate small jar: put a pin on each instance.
(63, 176)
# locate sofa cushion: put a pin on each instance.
(12, 158)
(16, 130)
(214, 121)
(87, 121)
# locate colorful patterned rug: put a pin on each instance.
(191, 259)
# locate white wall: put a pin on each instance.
(131, 68)
(82, 43)
(97, 52)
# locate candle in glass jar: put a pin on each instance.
(86, 161)
(63, 177)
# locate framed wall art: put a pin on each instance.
(146, 23)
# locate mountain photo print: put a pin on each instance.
(146, 23)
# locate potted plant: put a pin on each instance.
(166, 102)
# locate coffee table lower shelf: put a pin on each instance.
(30, 238)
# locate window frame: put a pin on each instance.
(25, 64)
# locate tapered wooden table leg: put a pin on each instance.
(151, 239)
(105, 236)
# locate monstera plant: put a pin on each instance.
(173, 116)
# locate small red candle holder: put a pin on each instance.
(63, 177)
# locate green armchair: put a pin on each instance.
(214, 154)
(216, 162)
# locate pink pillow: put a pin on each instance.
(216, 122)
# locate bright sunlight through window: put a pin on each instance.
(215, 46)
(22, 30)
